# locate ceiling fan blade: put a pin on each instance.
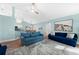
(36, 12)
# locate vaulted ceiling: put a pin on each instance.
(47, 11)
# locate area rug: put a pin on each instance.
(41, 48)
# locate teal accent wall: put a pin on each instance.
(7, 27)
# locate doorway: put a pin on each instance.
(47, 29)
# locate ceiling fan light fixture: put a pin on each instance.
(34, 8)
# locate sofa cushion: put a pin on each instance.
(52, 33)
(61, 34)
(35, 34)
(70, 35)
(33, 38)
(58, 38)
(26, 34)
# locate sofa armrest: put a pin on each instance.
(75, 39)
(5, 46)
(49, 36)
(0, 45)
(3, 50)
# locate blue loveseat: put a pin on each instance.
(3, 49)
(61, 37)
(28, 38)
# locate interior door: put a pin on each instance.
(47, 29)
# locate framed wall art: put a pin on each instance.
(64, 25)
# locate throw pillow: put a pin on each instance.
(70, 35)
(52, 33)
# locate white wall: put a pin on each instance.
(5, 9)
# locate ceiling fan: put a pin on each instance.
(34, 8)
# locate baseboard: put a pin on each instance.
(1, 41)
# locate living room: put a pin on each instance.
(28, 26)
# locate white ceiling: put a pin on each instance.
(47, 11)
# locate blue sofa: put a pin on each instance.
(61, 37)
(3, 49)
(28, 38)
